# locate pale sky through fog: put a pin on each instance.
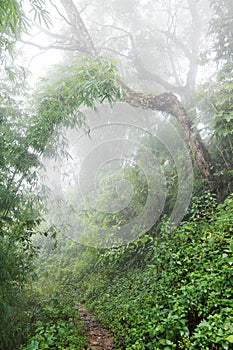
(36, 59)
(39, 61)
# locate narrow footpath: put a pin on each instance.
(98, 337)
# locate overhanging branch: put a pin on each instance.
(169, 103)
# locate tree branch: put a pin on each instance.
(115, 52)
(168, 103)
(78, 27)
(173, 67)
(147, 75)
(195, 43)
(59, 12)
(51, 34)
(177, 42)
(54, 46)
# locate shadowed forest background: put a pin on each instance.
(63, 64)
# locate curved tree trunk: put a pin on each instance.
(168, 103)
(165, 102)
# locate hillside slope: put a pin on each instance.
(163, 291)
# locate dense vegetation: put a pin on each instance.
(159, 289)
(164, 290)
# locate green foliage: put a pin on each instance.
(217, 104)
(108, 216)
(187, 283)
(162, 291)
(20, 205)
(23, 137)
(167, 291)
(215, 329)
(121, 196)
(53, 321)
(221, 29)
(20, 208)
(76, 85)
(15, 268)
(216, 101)
(14, 21)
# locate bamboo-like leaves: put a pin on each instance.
(61, 99)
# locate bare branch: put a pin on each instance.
(59, 12)
(195, 43)
(112, 26)
(147, 75)
(177, 42)
(55, 46)
(84, 8)
(173, 66)
(51, 34)
(115, 52)
(115, 38)
(78, 27)
(34, 56)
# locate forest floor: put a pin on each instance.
(98, 337)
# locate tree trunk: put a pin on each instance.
(168, 103)
(165, 102)
(78, 28)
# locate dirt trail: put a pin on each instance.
(98, 337)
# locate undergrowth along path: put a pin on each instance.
(98, 337)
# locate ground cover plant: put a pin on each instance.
(165, 290)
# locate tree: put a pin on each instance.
(124, 41)
(216, 95)
(20, 205)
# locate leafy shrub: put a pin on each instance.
(53, 322)
(179, 297)
(164, 290)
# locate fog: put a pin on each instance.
(158, 47)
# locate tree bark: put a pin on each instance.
(165, 102)
(169, 103)
(78, 28)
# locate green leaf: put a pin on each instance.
(34, 345)
(231, 245)
(228, 117)
(230, 338)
